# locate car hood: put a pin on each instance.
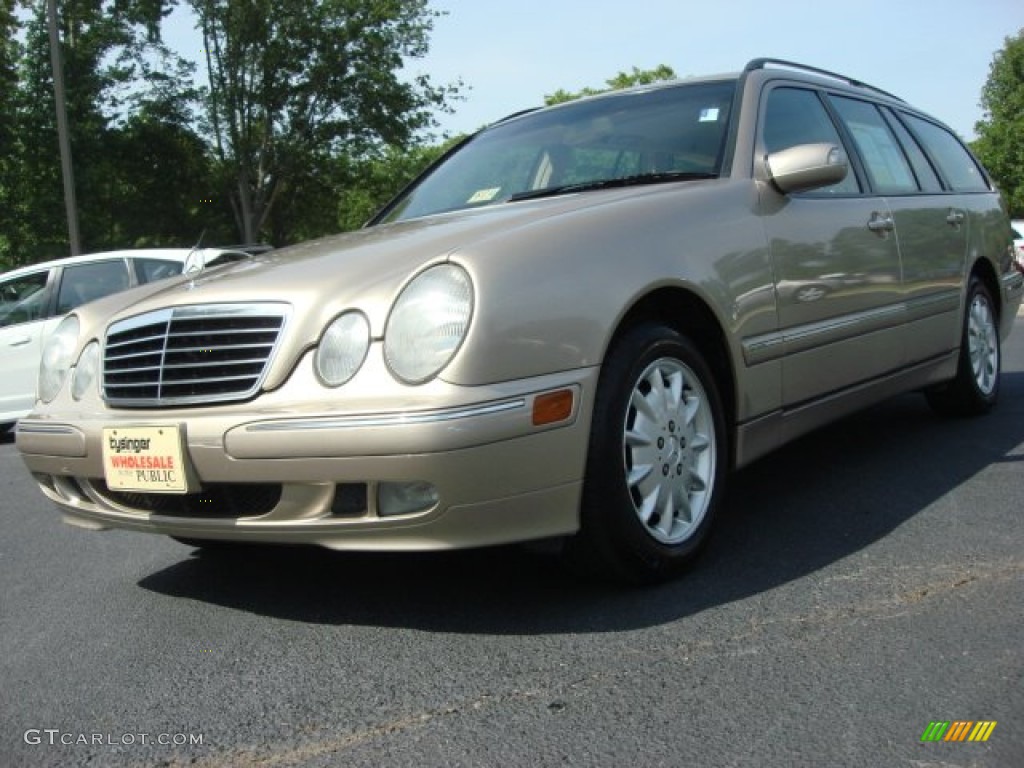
(361, 270)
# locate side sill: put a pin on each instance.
(764, 434)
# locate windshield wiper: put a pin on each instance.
(623, 181)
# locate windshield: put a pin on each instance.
(631, 137)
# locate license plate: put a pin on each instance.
(147, 459)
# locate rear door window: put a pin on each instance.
(887, 167)
(82, 283)
(927, 179)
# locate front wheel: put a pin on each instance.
(975, 388)
(212, 545)
(656, 461)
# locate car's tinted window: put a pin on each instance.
(81, 283)
(667, 130)
(887, 168)
(149, 270)
(926, 177)
(22, 298)
(955, 162)
(795, 116)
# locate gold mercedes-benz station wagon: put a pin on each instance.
(573, 326)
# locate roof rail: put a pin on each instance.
(763, 64)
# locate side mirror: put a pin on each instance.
(807, 166)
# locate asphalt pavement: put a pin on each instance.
(864, 582)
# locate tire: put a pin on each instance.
(975, 389)
(656, 461)
(211, 545)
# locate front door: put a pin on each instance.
(23, 310)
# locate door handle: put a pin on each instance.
(21, 341)
(881, 224)
(955, 218)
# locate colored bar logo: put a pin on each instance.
(958, 730)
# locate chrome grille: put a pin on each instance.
(190, 355)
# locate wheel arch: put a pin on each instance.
(984, 271)
(690, 315)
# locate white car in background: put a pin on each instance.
(33, 299)
(1018, 241)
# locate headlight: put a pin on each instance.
(342, 349)
(57, 358)
(85, 370)
(428, 323)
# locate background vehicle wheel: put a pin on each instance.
(656, 460)
(976, 387)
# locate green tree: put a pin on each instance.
(621, 80)
(294, 85)
(1000, 143)
(39, 229)
(369, 183)
(9, 56)
(123, 99)
(159, 191)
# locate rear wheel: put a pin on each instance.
(656, 460)
(975, 388)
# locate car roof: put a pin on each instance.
(764, 69)
(167, 254)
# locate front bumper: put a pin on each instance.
(287, 475)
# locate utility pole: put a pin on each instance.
(67, 170)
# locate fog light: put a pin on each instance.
(405, 498)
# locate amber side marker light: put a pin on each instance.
(552, 407)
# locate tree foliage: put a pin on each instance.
(295, 85)
(621, 80)
(1000, 143)
(372, 182)
(309, 122)
(9, 57)
(140, 169)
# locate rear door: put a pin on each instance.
(931, 224)
(936, 276)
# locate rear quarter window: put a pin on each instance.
(149, 270)
(953, 160)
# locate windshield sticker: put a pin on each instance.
(709, 115)
(484, 195)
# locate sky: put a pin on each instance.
(935, 54)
